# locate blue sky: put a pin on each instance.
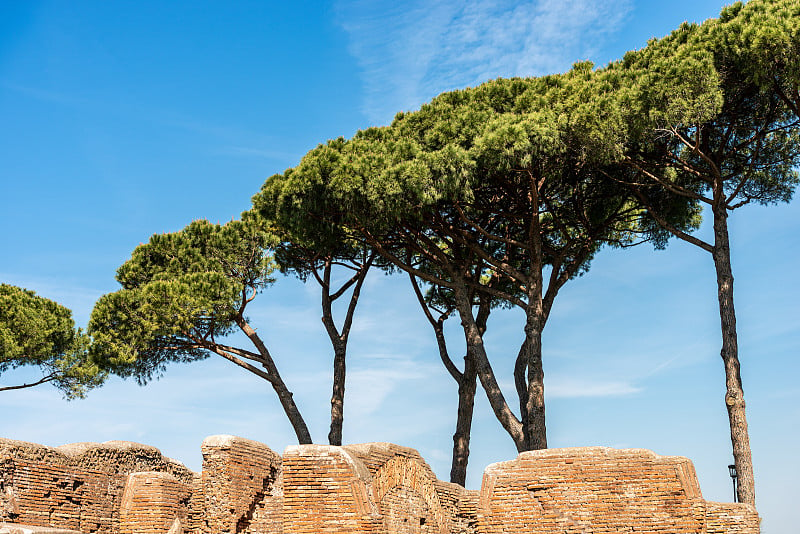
(123, 119)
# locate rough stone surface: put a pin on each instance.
(127, 488)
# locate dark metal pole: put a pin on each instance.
(734, 479)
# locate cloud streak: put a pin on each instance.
(410, 52)
(571, 388)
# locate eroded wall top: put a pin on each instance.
(246, 488)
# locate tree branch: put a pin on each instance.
(48, 378)
(670, 228)
(668, 185)
(438, 329)
(351, 308)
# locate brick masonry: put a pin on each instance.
(246, 488)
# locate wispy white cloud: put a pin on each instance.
(412, 51)
(563, 387)
(372, 384)
(558, 386)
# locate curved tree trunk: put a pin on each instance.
(284, 395)
(734, 395)
(467, 386)
(477, 353)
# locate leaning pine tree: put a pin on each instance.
(182, 294)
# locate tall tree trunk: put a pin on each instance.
(339, 338)
(734, 395)
(467, 386)
(528, 371)
(461, 438)
(533, 420)
(337, 397)
(284, 395)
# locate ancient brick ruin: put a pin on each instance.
(123, 487)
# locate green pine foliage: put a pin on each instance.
(181, 293)
(35, 331)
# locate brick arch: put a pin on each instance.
(401, 473)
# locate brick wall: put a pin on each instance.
(78, 486)
(601, 490)
(245, 488)
(239, 479)
(154, 503)
(326, 490)
(729, 518)
(46, 494)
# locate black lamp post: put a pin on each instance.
(734, 478)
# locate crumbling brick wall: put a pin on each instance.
(154, 503)
(730, 518)
(240, 485)
(77, 486)
(601, 490)
(408, 494)
(326, 490)
(245, 488)
(47, 494)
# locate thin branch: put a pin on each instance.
(213, 346)
(244, 365)
(686, 167)
(319, 280)
(508, 297)
(670, 228)
(355, 266)
(740, 204)
(421, 300)
(403, 265)
(786, 100)
(438, 329)
(347, 285)
(327, 304)
(348, 319)
(562, 278)
(736, 192)
(241, 352)
(500, 265)
(696, 149)
(48, 378)
(481, 230)
(670, 186)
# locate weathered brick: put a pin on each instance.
(126, 488)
